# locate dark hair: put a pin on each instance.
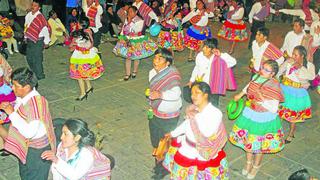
(302, 174)
(239, 2)
(84, 22)
(211, 43)
(300, 21)
(274, 65)
(135, 9)
(302, 51)
(24, 76)
(74, 9)
(80, 34)
(264, 31)
(166, 54)
(51, 13)
(80, 127)
(204, 4)
(38, 2)
(204, 87)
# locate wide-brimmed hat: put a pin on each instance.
(235, 108)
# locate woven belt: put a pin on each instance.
(288, 82)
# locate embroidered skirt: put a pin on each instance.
(233, 31)
(176, 164)
(195, 37)
(86, 65)
(171, 40)
(135, 49)
(297, 104)
(258, 132)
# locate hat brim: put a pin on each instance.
(235, 108)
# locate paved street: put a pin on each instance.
(120, 108)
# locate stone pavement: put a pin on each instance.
(120, 108)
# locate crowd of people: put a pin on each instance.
(278, 88)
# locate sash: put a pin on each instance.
(164, 80)
(195, 19)
(208, 147)
(272, 52)
(221, 77)
(16, 143)
(264, 12)
(91, 14)
(144, 11)
(34, 29)
(307, 12)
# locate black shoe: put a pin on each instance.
(134, 75)
(127, 77)
(90, 90)
(289, 139)
(41, 77)
(85, 96)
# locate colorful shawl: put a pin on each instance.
(307, 12)
(34, 29)
(35, 109)
(221, 77)
(272, 52)
(208, 147)
(144, 11)
(264, 12)
(164, 80)
(7, 70)
(91, 14)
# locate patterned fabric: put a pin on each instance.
(221, 77)
(6, 97)
(37, 108)
(233, 31)
(135, 49)
(100, 170)
(91, 14)
(264, 12)
(257, 130)
(144, 11)
(34, 29)
(297, 104)
(6, 31)
(164, 80)
(86, 64)
(171, 40)
(272, 52)
(7, 70)
(195, 37)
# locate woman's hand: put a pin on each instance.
(168, 135)
(238, 96)
(191, 111)
(155, 95)
(50, 156)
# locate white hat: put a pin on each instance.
(1, 72)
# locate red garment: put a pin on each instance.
(34, 29)
(144, 11)
(91, 14)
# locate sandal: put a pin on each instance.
(252, 176)
(288, 139)
(245, 171)
(134, 75)
(127, 77)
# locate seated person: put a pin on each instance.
(58, 31)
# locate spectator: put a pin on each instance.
(73, 17)
(58, 31)
(7, 34)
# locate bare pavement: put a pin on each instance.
(119, 108)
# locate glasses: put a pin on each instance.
(266, 70)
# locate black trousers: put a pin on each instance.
(96, 39)
(35, 167)
(35, 57)
(254, 28)
(159, 127)
(316, 60)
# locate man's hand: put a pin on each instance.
(7, 107)
(46, 46)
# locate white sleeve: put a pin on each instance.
(285, 45)
(153, 16)
(307, 73)
(172, 94)
(316, 40)
(181, 129)
(196, 70)
(138, 26)
(83, 165)
(210, 15)
(238, 15)
(100, 10)
(244, 90)
(254, 9)
(231, 61)
(206, 130)
(272, 10)
(45, 33)
(270, 105)
(188, 17)
(280, 60)
(28, 130)
(293, 12)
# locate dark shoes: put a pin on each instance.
(127, 77)
(289, 139)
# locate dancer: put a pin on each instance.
(234, 29)
(258, 129)
(296, 71)
(146, 12)
(133, 44)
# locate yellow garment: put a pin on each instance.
(6, 31)
(55, 24)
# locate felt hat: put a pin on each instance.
(235, 108)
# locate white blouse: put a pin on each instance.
(291, 41)
(203, 21)
(238, 15)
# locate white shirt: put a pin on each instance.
(316, 37)
(151, 13)
(301, 75)
(171, 99)
(203, 21)
(79, 167)
(203, 66)
(208, 122)
(97, 18)
(193, 4)
(43, 33)
(238, 15)
(256, 9)
(257, 54)
(32, 130)
(291, 41)
(135, 27)
(301, 14)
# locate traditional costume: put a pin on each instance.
(85, 164)
(146, 12)
(197, 150)
(6, 95)
(7, 70)
(94, 13)
(37, 34)
(257, 17)
(132, 43)
(262, 53)
(7, 35)
(234, 28)
(297, 104)
(171, 34)
(30, 134)
(258, 129)
(85, 63)
(198, 31)
(291, 41)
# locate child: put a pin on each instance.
(6, 95)
(214, 68)
(6, 33)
